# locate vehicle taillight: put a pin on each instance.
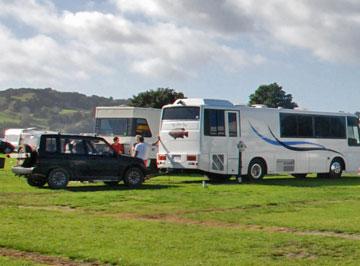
(191, 157)
(161, 157)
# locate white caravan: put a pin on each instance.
(127, 122)
(220, 139)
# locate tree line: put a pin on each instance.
(271, 95)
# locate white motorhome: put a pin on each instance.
(127, 122)
(220, 139)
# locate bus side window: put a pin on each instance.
(353, 131)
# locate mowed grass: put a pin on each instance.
(174, 220)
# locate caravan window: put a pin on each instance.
(214, 122)
(142, 128)
(122, 127)
(112, 126)
(181, 113)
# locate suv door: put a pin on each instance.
(73, 156)
(103, 161)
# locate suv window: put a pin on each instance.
(50, 144)
(72, 146)
(98, 147)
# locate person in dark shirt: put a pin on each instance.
(117, 146)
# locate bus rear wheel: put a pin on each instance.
(256, 170)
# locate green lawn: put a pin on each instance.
(174, 220)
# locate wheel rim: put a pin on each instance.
(256, 171)
(336, 167)
(134, 177)
(59, 178)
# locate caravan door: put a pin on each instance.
(233, 140)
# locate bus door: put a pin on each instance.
(233, 140)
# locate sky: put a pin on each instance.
(220, 49)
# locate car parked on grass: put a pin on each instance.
(60, 158)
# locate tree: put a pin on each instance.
(272, 95)
(156, 98)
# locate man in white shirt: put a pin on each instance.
(141, 149)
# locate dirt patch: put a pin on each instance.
(218, 224)
(49, 208)
(44, 259)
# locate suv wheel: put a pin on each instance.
(58, 178)
(36, 181)
(134, 177)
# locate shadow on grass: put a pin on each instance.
(311, 182)
(119, 187)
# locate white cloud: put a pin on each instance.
(167, 38)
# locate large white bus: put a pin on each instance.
(220, 139)
(127, 122)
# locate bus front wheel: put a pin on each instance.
(336, 169)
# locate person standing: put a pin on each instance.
(117, 146)
(140, 149)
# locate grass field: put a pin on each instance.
(174, 220)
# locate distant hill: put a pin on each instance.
(50, 109)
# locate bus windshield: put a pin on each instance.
(181, 113)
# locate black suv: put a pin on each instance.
(59, 158)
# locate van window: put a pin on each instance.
(214, 122)
(181, 113)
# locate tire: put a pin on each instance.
(299, 176)
(58, 178)
(217, 178)
(133, 177)
(111, 183)
(335, 169)
(256, 170)
(36, 181)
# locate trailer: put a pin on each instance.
(126, 122)
(221, 140)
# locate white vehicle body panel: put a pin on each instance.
(260, 133)
(12, 135)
